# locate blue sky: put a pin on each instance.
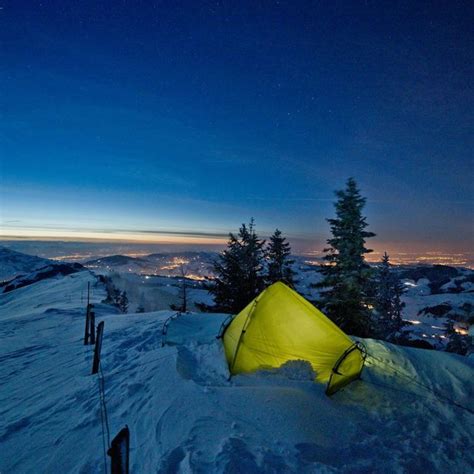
(195, 116)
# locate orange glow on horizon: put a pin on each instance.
(88, 236)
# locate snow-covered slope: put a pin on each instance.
(185, 415)
(156, 293)
(434, 295)
(49, 271)
(14, 263)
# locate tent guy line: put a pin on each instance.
(439, 396)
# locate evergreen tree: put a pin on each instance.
(115, 296)
(278, 253)
(388, 303)
(398, 304)
(113, 293)
(239, 271)
(183, 306)
(346, 275)
(122, 302)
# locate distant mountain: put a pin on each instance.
(14, 263)
(49, 271)
(197, 264)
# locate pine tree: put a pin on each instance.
(388, 303)
(183, 296)
(239, 271)
(398, 304)
(184, 290)
(278, 253)
(115, 296)
(123, 302)
(346, 275)
(383, 297)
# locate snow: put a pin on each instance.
(14, 263)
(431, 327)
(158, 292)
(186, 415)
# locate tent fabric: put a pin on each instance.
(280, 325)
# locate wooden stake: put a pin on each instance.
(98, 347)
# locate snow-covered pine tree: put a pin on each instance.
(346, 275)
(398, 304)
(388, 305)
(123, 302)
(113, 293)
(383, 299)
(279, 263)
(239, 271)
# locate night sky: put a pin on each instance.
(128, 116)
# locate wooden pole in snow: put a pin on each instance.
(87, 329)
(92, 325)
(119, 451)
(97, 348)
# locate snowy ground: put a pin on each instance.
(156, 293)
(186, 416)
(418, 299)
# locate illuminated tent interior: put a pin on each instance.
(279, 325)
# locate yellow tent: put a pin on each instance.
(280, 325)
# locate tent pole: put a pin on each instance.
(225, 324)
(244, 328)
(356, 346)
